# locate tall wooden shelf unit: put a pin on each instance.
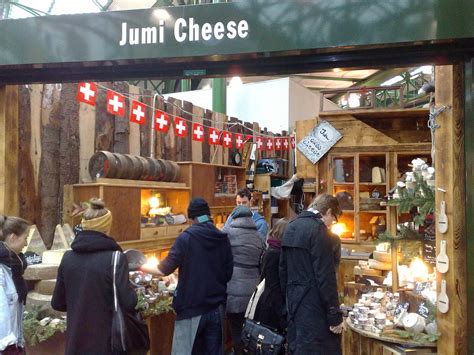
(264, 183)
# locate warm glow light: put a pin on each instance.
(154, 202)
(235, 81)
(152, 261)
(354, 100)
(338, 228)
(419, 270)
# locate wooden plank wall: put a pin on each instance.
(450, 174)
(52, 136)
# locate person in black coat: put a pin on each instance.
(270, 308)
(308, 279)
(84, 286)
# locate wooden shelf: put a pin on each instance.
(343, 183)
(139, 184)
(379, 113)
(373, 211)
(372, 184)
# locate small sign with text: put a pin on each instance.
(319, 141)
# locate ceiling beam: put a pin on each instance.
(331, 78)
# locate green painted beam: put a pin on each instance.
(185, 85)
(469, 163)
(219, 95)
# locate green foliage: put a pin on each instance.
(37, 329)
(147, 309)
(422, 196)
(418, 338)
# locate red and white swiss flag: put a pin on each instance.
(162, 121)
(293, 142)
(198, 132)
(248, 138)
(239, 141)
(138, 112)
(213, 136)
(227, 139)
(87, 93)
(286, 144)
(269, 143)
(260, 143)
(115, 103)
(180, 127)
(278, 144)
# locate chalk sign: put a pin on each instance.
(319, 141)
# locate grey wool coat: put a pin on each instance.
(247, 249)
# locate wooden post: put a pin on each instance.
(450, 175)
(9, 204)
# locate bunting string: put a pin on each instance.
(87, 93)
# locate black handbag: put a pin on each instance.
(259, 339)
(129, 331)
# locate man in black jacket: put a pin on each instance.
(204, 257)
(308, 280)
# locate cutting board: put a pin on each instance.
(443, 300)
(442, 260)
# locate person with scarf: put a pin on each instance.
(13, 291)
(270, 308)
(84, 287)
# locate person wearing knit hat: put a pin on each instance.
(84, 282)
(204, 258)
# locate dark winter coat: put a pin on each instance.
(203, 255)
(247, 249)
(259, 220)
(308, 278)
(84, 290)
(271, 305)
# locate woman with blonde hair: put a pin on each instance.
(13, 291)
(84, 287)
(271, 305)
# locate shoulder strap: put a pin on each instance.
(115, 256)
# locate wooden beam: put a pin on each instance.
(450, 176)
(9, 199)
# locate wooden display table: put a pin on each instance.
(358, 341)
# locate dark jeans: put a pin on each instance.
(236, 321)
(209, 336)
(12, 350)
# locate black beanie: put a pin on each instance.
(198, 207)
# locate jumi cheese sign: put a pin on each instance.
(184, 30)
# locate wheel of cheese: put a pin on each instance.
(382, 256)
(380, 265)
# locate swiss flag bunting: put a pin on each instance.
(269, 143)
(87, 93)
(286, 144)
(162, 121)
(293, 142)
(278, 144)
(213, 136)
(138, 112)
(248, 138)
(239, 142)
(227, 139)
(198, 132)
(260, 143)
(115, 103)
(180, 127)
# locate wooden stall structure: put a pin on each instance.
(375, 150)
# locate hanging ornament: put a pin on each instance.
(286, 144)
(227, 139)
(269, 144)
(239, 143)
(198, 132)
(87, 93)
(180, 127)
(278, 145)
(162, 121)
(260, 143)
(137, 112)
(115, 103)
(213, 136)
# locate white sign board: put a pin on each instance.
(319, 141)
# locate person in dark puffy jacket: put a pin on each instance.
(270, 308)
(247, 249)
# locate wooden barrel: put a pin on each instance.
(168, 170)
(124, 166)
(146, 169)
(176, 171)
(103, 164)
(136, 167)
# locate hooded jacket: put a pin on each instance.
(260, 222)
(203, 255)
(84, 290)
(247, 250)
(308, 279)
